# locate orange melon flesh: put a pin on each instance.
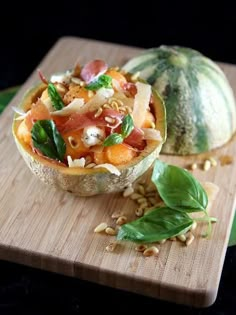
(85, 181)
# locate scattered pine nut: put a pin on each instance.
(90, 93)
(141, 248)
(128, 191)
(153, 126)
(152, 200)
(213, 161)
(116, 215)
(139, 212)
(135, 196)
(206, 165)
(181, 237)
(101, 227)
(172, 238)
(193, 166)
(141, 189)
(111, 247)
(142, 200)
(121, 220)
(194, 225)
(110, 231)
(151, 251)
(190, 239)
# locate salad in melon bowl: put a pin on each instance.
(90, 130)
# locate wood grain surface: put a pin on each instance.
(53, 230)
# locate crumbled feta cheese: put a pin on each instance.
(92, 136)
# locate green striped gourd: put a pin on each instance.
(200, 105)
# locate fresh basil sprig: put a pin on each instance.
(158, 224)
(55, 97)
(126, 128)
(178, 188)
(102, 81)
(114, 138)
(182, 195)
(48, 140)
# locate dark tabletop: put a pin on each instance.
(24, 290)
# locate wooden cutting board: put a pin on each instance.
(52, 230)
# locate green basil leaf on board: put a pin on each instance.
(102, 81)
(55, 97)
(114, 138)
(127, 126)
(159, 224)
(178, 188)
(48, 140)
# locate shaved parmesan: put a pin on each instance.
(151, 134)
(20, 112)
(141, 103)
(100, 98)
(75, 163)
(111, 168)
(71, 108)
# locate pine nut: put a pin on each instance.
(152, 200)
(98, 112)
(162, 241)
(193, 166)
(213, 161)
(116, 215)
(141, 248)
(121, 220)
(151, 251)
(172, 238)
(181, 237)
(190, 239)
(135, 76)
(110, 231)
(101, 227)
(110, 120)
(135, 196)
(141, 190)
(141, 200)
(139, 212)
(111, 247)
(194, 225)
(207, 165)
(128, 191)
(90, 93)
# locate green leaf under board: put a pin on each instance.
(6, 96)
(232, 239)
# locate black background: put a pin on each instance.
(27, 32)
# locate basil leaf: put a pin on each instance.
(48, 140)
(102, 81)
(127, 126)
(114, 138)
(178, 188)
(55, 97)
(159, 224)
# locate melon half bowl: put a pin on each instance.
(99, 97)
